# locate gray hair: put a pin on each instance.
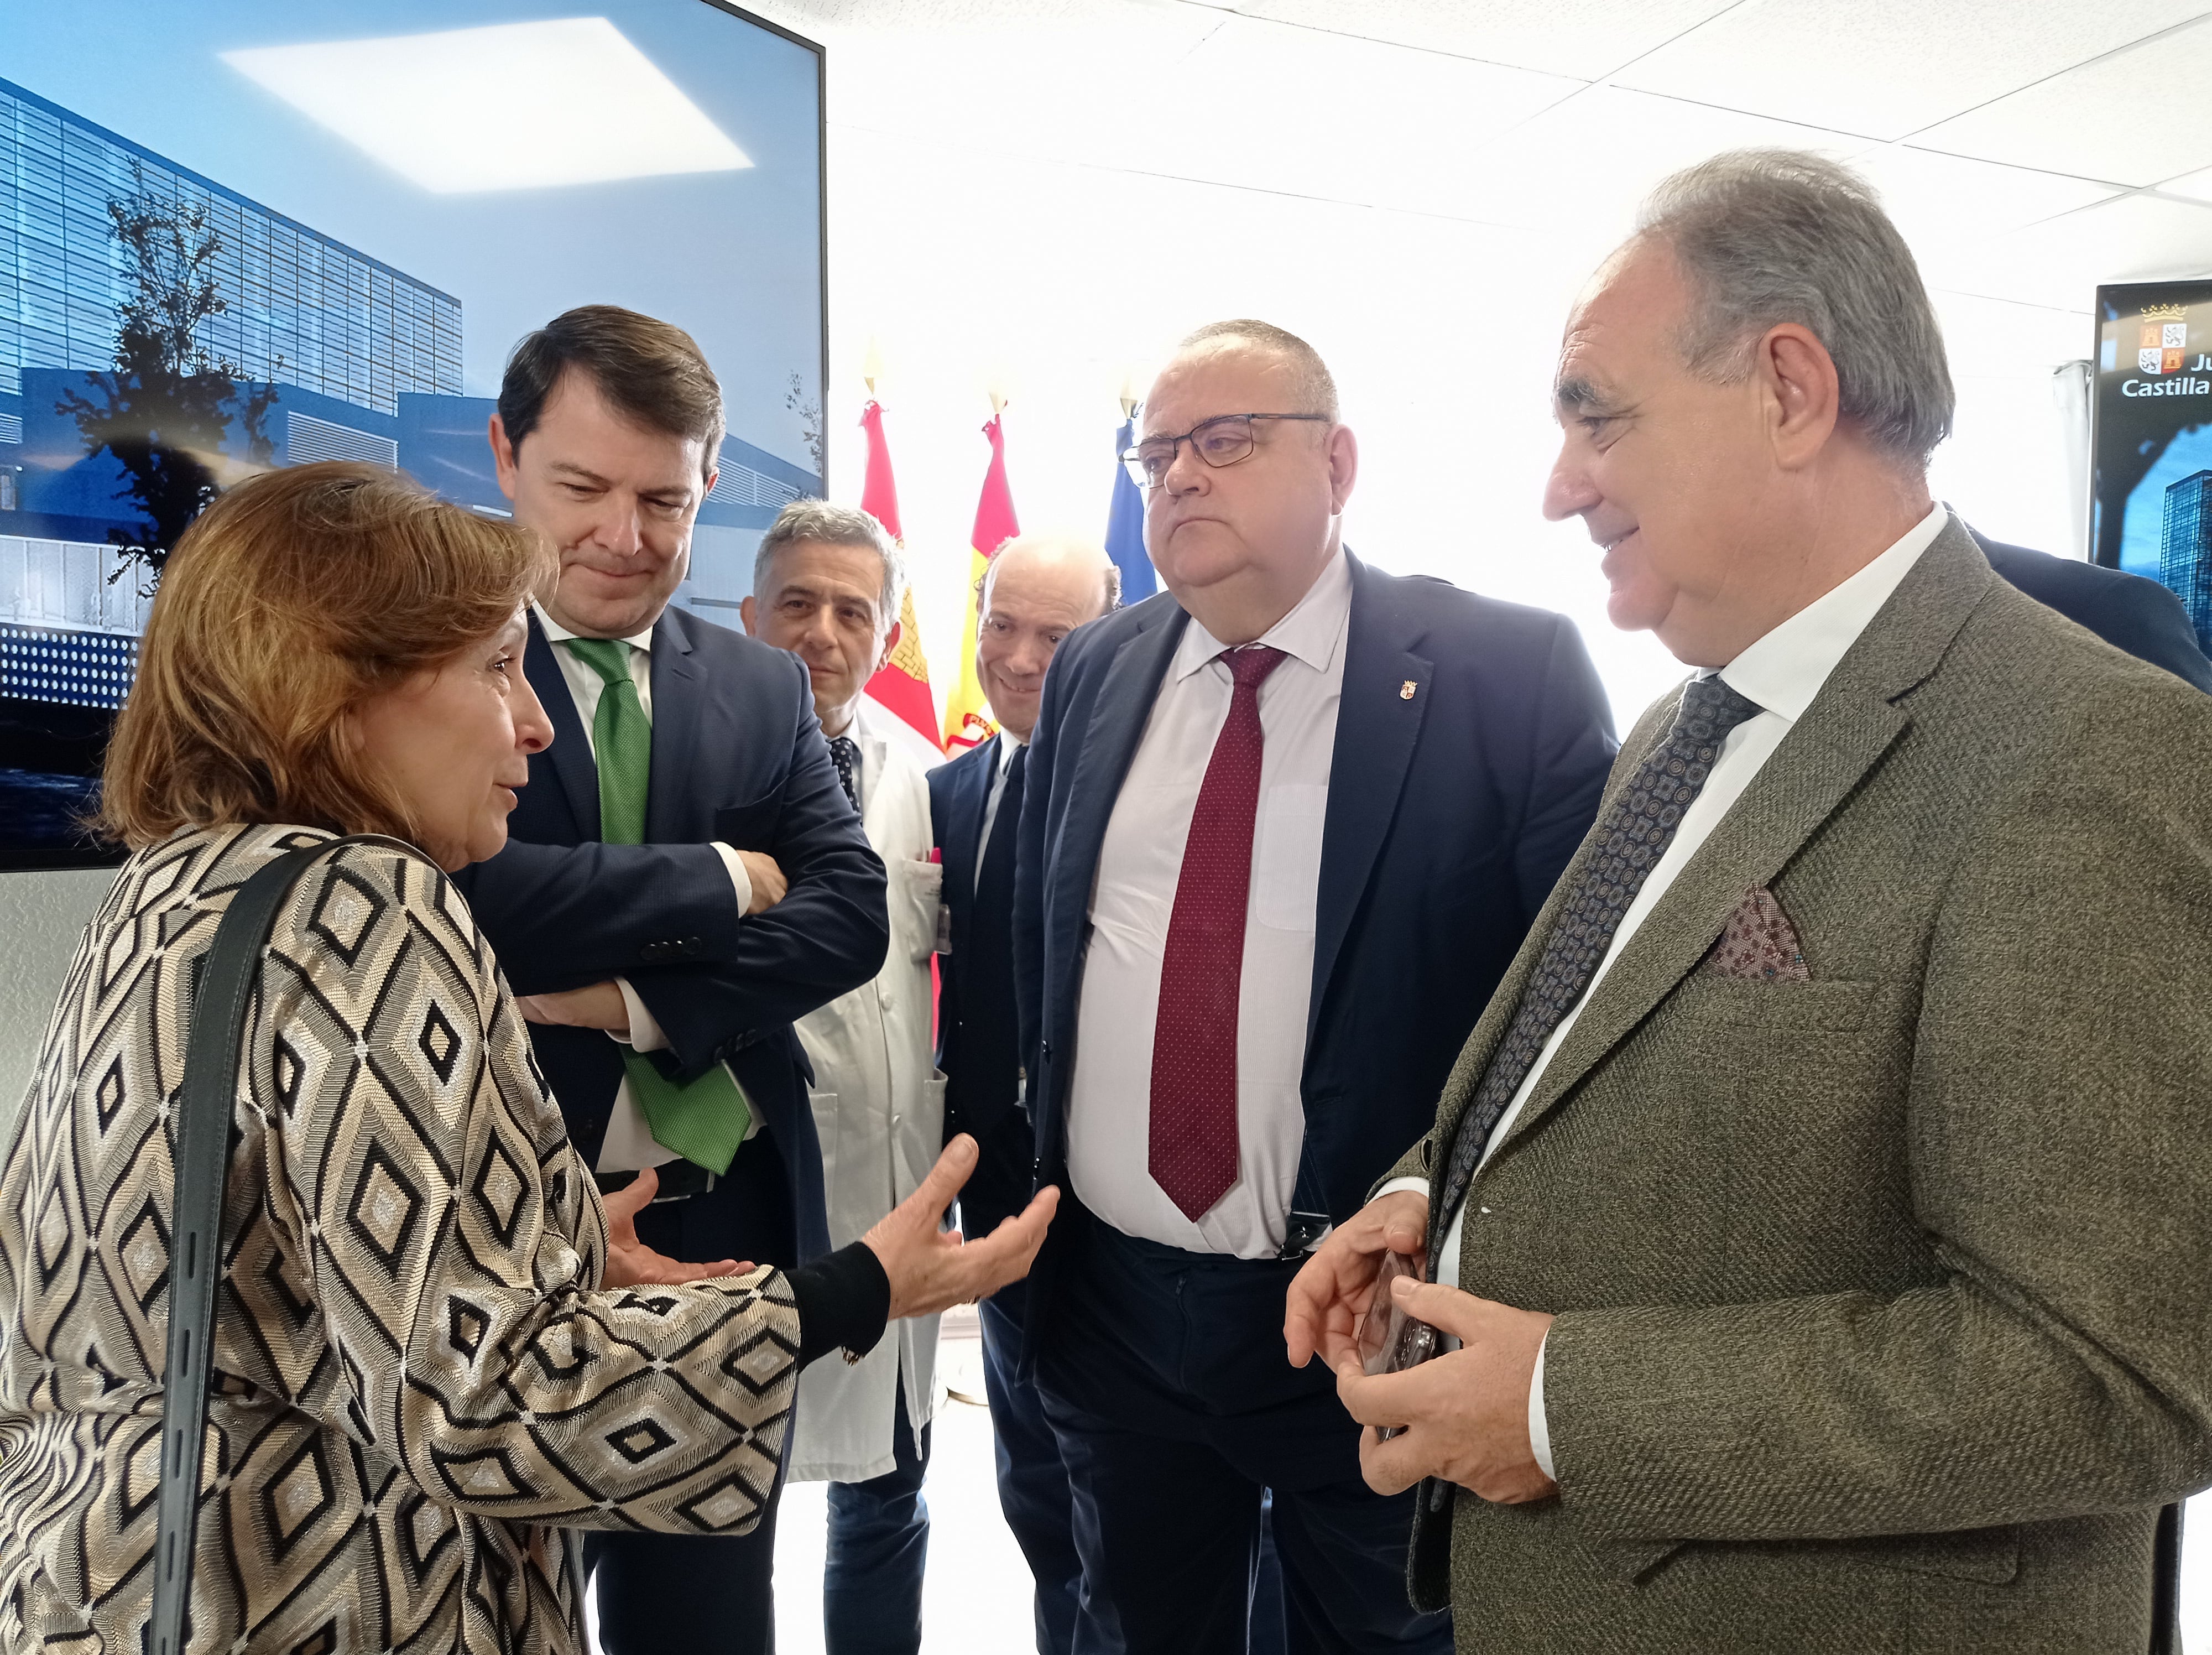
(1768, 236)
(1316, 385)
(834, 526)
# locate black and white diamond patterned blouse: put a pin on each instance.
(416, 1376)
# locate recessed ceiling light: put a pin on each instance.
(514, 106)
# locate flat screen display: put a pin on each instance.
(2151, 439)
(242, 233)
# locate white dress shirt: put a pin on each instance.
(1133, 898)
(1009, 744)
(629, 1143)
(1781, 671)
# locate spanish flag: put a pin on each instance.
(900, 684)
(967, 714)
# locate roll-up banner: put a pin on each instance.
(2150, 446)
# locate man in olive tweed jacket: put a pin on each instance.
(1859, 1225)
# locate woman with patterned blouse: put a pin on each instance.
(436, 1347)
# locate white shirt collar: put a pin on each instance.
(1009, 744)
(1783, 670)
(1311, 632)
(555, 632)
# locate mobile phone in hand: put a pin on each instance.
(1390, 1341)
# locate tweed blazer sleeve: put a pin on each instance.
(2059, 1099)
(425, 1199)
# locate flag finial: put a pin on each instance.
(872, 365)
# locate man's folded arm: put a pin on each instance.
(2060, 1103)
(827, 937)
(566, 916)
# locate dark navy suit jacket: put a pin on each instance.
(2126, 610)
(1451, 812)
(737, 757)
(977, 1027)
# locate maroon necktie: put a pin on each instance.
(1194, 1139)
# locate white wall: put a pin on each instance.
(42, 915)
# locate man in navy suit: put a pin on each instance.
(1284, 826)
(1037, 591)
(684, 879)
(2126, 610)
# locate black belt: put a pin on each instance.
(680, 1180)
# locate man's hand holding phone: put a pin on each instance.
(1331, 1297)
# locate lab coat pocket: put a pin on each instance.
(824, 1106)
(916, 887)
(933, 1110)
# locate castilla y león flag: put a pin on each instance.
(900, 684)
(967, 715)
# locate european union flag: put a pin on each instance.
(1125, 525)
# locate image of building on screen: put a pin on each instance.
(292, 347)
(2185, 548)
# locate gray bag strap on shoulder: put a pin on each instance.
(203, 1120)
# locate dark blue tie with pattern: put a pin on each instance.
(845, 754)
(1631, 839)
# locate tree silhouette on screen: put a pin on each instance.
(168, 406)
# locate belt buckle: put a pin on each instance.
(684, 1195)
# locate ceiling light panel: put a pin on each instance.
(1886, 68)
(2131, 117)
(514, 106)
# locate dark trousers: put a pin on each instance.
(1034, 1490)
(878, 1546)
(1165, 1379)
(704, 1594)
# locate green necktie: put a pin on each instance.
(705, 1120)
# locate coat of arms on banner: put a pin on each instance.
(2164, 340)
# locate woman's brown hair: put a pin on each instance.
(294, 599)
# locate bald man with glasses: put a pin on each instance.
(1284, 826)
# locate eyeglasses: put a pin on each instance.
(1222, 440)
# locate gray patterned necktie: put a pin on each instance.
(1631, 839)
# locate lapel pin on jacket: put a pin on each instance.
(1405, 690)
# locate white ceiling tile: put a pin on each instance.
(2196, 184)
(2061, 262)
(1587, 39)
(1579, 170)
(1936, 198)
(1308, 113)
(1886, 68)
(1067, 82)
(2135, 116)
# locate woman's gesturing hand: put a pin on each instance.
(932, 1269)
(629, 1261)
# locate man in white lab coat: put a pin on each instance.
(827, 582)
